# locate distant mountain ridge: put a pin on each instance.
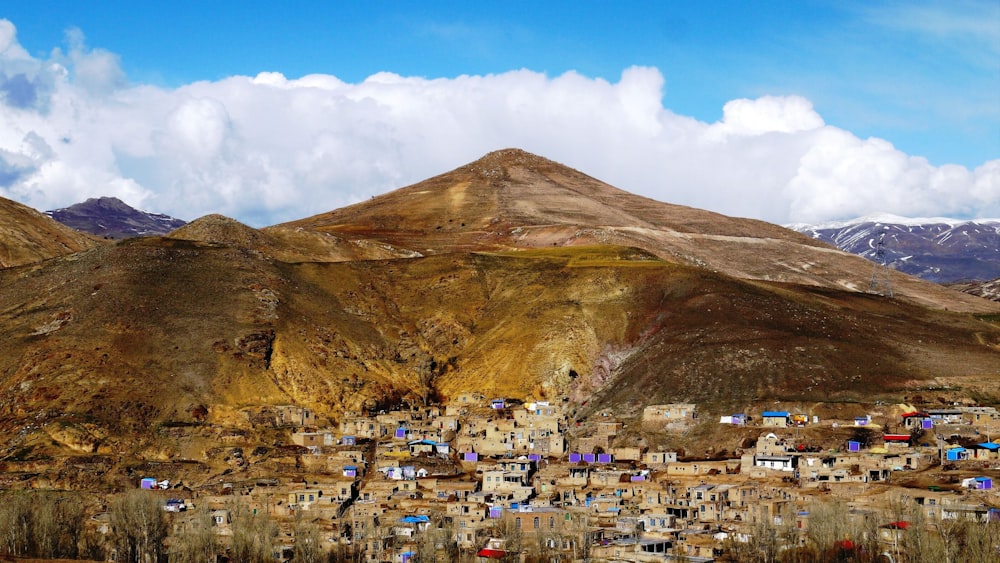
(936, 249)
(112, 218)
(987, 290)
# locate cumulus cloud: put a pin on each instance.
(267, 148)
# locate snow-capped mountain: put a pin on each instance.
(936, 249)
(987, 290)
(112, 218)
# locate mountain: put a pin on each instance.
(28, 236)
(513, 276)
(987, 289)
(112, 218)
(939, 250)
(512, 199)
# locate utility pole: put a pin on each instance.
(880, 283)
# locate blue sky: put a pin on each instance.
(930, 86)
(923, 77)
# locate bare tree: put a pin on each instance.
(828, 524)
(507, 529)
(307, 541)
(437, 542)
(767, 538)
(138, 527)
(15, 524)
(982, 542)
(253, 534)
(57, 524)
(92, 545)
(195, 540)
(919, 544)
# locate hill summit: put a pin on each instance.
(511, 199)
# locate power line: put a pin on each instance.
(880, 283)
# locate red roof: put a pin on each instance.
(491, 553)
(916, 414)
(844, 544)
(900, 525)
(896, 437)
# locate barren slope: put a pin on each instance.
(105, 347)
(124, 352)
(29, 236)
(514, 199)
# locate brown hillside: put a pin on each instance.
(150, 349)
(286, 244)
(513, 199)
(29, 236)
(104, 349)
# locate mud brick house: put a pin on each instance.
(361, 427)
(674, 415)
(291, 415)
(313, 439)
(774, 419)
(659, 459)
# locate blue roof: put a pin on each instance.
(418, 519)
(989, 446)
(781, 414)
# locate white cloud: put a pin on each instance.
(768, 114)
(266, 149)
(967, 27)
(96, 71)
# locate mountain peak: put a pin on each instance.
(508, 157)
(497, 165)
(107, 202)
(111, 217)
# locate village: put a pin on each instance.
(491, 478)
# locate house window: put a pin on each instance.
(535, 523)
(517, 523)
(552, 522)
